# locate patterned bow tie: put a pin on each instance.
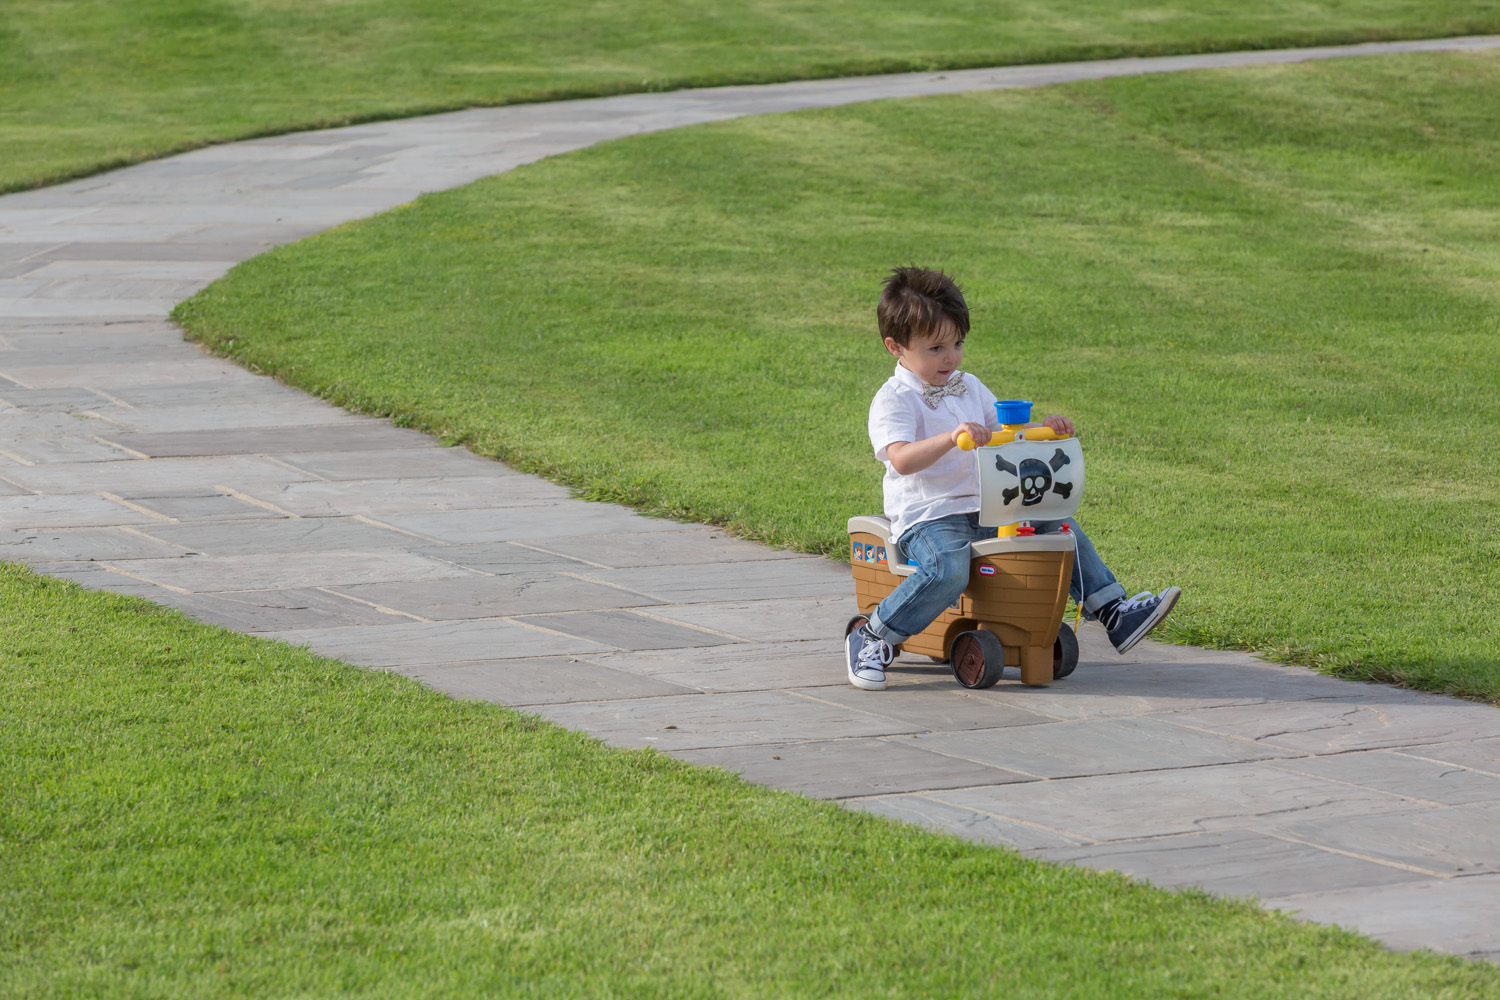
(953, 387)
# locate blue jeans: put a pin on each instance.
(941, 550)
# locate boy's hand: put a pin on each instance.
(979, 432)
(1059, 424)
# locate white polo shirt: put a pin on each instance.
(949, 485)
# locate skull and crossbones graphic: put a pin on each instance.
(1036, 478)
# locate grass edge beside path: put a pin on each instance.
(705, 81)
(194, 812)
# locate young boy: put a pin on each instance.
(931, 491)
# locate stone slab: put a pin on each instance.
(757, 666)
(1231, 863)
(496, 596)
(1097, 746)
(65, 398)
(526, 523)
(177, 270)
(1458, 840)
(437, 642)
(970, 824)
(945, 708)
(234, 388)
(684, 547)
(546, 680)
(23, 424)
(77, 308)
(98, 576)
(1414, 778)
(43, 450)
(280, 610)
(1322, 727)
(302, 535)
(364, 435)
(432, 460)
(1476, 755)
(35, 510)
(143, 474)
(133, 340)
(200, 504)
(378, 497)
(499, 558)
(732, 580)
(83, 544)
(36, 232)
(284, 570)
(228, 416)
(137, 289)
(1130, 806)
(1105, 688)
(693, 722)
(624, 630)
(792, 618)
(1459, 916)
(837, 769)
(68, 246)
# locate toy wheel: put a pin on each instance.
(1064, 652)
(978, 659)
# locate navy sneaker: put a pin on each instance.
(1135, 618)
(868, 656)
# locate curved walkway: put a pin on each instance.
(132, 461)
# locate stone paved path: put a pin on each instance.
(131, 461)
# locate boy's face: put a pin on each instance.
(934, 358)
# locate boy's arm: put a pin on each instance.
(907, 457)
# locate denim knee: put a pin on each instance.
(951, 575)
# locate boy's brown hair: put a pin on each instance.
(916, 302)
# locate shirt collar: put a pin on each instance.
(908, 378)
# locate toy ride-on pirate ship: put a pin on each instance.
(1011, 612)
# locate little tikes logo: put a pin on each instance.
(986, 571)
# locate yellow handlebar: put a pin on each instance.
(1008, 433)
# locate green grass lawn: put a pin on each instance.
(90, 84)
(188, 812)
(1268, 297)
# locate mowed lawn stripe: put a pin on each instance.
(86, 85)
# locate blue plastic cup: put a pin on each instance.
(1014, 411)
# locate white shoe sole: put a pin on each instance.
(1168, 601)
(867, 685)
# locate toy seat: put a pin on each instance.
(1009, 615)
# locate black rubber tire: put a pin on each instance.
(978, 659)
(1064, 652)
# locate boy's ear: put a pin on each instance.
(892, 346)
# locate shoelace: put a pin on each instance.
(875, 655)
(1143, 597)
